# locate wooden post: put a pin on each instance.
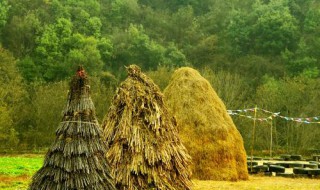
(271, 126)
(253, 134)
(276, 137)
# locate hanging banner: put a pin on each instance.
(251, 117)
(307, 120)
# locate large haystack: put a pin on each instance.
(213, 141)
(76, 160)
(144, 148)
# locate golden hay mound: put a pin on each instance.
(213, 141)
(144, 146)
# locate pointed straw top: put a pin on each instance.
(133, 70)
(79, 84)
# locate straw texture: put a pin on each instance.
(76, 160)
(206, 129)
(144, 148)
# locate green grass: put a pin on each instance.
(17, 166)
(16, 171)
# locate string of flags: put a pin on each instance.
(241, 113)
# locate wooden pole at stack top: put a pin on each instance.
(253, 134)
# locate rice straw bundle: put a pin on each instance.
(76, 159)
(206, 128)
(144, 148)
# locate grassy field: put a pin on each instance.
(16, 172)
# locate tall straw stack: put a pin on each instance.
(76, 160)
(206, 129)
(144, 147)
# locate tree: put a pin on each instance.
(292, 97)
(220, 13)
(124, 12)
(275, 29)
(254, 67)
(12, 95)
(41, 133)
(4, 8)
(311, 22)
(93, 27)
(59, 50)
(232, 88)
(49, 53)
(299, 9)
(268, 29)
(301, 62)
(311, 34)
(134, 46)
(21, 33)
(57, 9)
(106, 49)
(91, 7)
(8, 135)
(204, 52)
(173, 57)
(161, 76)
(239, 33)
(84, 50)
(183, 27)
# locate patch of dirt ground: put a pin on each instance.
(14, 182)
(254, 183)
(260, 183)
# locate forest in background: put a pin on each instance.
(261, 53)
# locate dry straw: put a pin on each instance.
(76, 160)
(205, 128)
(144, 148)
